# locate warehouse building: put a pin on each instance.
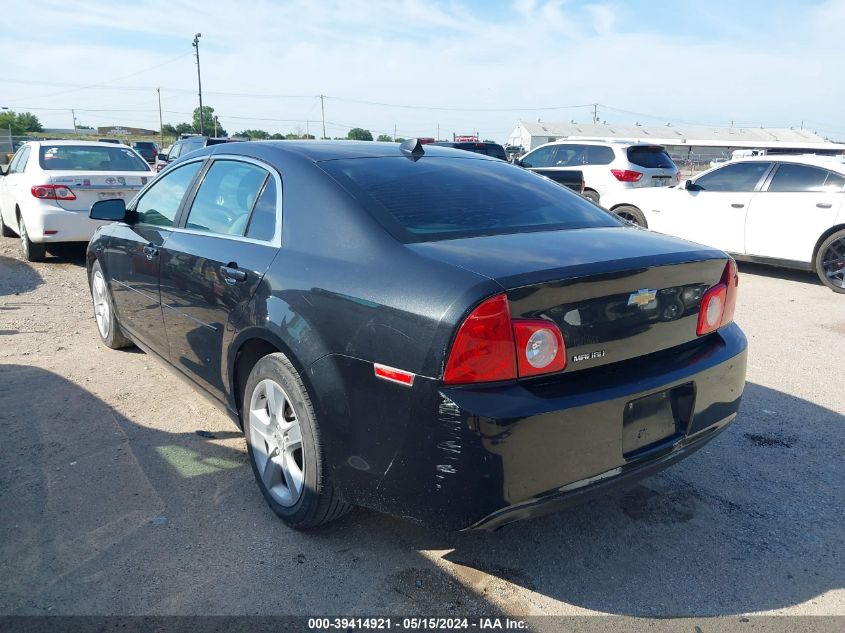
(689, 144)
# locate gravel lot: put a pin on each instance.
(111, 503)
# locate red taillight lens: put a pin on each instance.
(718, 303)
(490, 346)
(483, 350)
(539, 347)
(52, 192)
(626, 175)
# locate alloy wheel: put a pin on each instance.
(102, 308)
(275, 436)
(833, 263)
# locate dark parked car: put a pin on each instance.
(438, 335)
(186, 146)
(147, 149)
(487, 149)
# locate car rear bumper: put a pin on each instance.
(484, 456)
(69, 226)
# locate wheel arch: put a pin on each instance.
(835, 228)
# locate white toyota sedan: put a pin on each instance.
(49, 187)
(782, 210)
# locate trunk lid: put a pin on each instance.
(89, 187)
(615, 293)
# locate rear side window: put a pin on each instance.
(160, 203)
(654, 157)
(599, 155)
(262, 225)
(792, 177)
(570, 156)
(735, 177)
(103, 157)
(441, 198)
(225, 198)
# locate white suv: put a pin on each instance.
(607, 166)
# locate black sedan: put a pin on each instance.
(431, 333)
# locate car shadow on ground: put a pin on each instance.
(788, 274)
(102, 514)
(17, 277)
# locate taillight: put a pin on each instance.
(539, 347)
(489, 346)
(626, 175)
(52, 192)
(719, 302)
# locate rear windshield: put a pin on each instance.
(655, 157)
(143, 145)
(438, 198)
(90, 158)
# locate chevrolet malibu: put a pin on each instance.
(49, 187)
(423, 331)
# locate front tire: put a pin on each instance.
(32, 251)
(283, 443)
(107, 325)
(830, 262)
(631, 214)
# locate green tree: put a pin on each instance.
(168, 129)
(254, 134)
(207, 122)
(359, 134)
(20, 123)
(184, 128)
(399, 139)
(385, 138)
(278, 137)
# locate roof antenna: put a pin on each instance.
(412, 148)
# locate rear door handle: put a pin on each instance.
(150, 251)
(231, 274)
(737, 205)
(824, 205)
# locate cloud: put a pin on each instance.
(709, 68)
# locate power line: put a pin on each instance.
(447, 109)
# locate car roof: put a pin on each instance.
(55, 143)
(317, 151)
(611, 143)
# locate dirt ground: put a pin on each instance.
(111, 503)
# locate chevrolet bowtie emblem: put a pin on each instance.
(642, 297)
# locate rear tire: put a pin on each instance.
(830, 262)
(631, 214)
(284, 448)
(32, 251)
(591, 195)
(5, 231)
(107, 325)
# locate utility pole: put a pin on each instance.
(199, 79)
(394, 131)
(438, 132)
(595, 113)
(160, 122)
(307, 128)
(73, 114)
(323, 110)
(215, 125)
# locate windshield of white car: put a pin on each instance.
(90, 158)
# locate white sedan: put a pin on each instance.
(781, 210)
(49, 187)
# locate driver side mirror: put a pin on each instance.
(162, 157)
(516, 161)
(110, 210)
(689, 185)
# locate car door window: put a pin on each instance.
(540, 157)
(15, 159)
(19, 164)
(175, 151)
(570, 156)
(160, 203)
(226, 197)
(599, 155)
(834, 182)
(262, 224)
(735, 177)
(794, 177)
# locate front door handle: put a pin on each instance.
(150, 251)
(737, 205)
(231, 274)
(824, 205)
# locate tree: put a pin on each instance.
(207, 122)
(20, 123)
(168, 129)
(278, 137)
(399, 139)
(359, 134)
(254, 134)
(385, 138)
(184, 128)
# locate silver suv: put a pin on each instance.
(607, 166)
